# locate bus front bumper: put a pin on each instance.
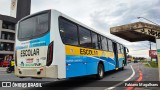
(40, 72)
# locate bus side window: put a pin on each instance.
(122, 49)
(104, 43)
(110, 46)
(85, 37)
(118, 48)
(99, 42)
(94, 40)
(68, 32)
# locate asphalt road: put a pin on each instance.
(113, 79)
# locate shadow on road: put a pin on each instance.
(87, 81)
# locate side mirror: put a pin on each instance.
(127, 50)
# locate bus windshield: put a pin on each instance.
(33, 27)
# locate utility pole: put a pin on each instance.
(150, 50)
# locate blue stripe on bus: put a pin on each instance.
(120, 62)
(87, 65)
(42, 41)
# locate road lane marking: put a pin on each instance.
(133, 73)
(138, 80)
(140, 76)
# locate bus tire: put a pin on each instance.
(100, 71)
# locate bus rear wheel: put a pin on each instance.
(100, 71)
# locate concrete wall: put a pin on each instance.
(23, 8)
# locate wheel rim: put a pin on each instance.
(100, 72)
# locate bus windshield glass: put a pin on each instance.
(33, 27)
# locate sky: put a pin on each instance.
(101, 15)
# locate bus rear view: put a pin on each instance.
(34, 49)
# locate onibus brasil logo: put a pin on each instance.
(21, 84)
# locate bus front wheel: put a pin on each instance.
(100, 71)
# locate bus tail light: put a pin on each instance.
(50, 54)
(15, 58)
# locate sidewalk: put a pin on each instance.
(2, 69)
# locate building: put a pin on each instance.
(7, 36)
(18, 9)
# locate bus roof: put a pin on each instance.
(71, 19)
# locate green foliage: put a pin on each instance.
(151, 64)
(154, 64)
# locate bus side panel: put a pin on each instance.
(59, 48)
(76, 69)
(92, 68)
(75, 66)
(111, 61)
(80, 63)
(106, 66)
(120, 59)
(111, 64)
(105, 61)
(92, 64)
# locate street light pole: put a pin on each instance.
(148, 20)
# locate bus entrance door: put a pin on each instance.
(125, 56)
(115, 55)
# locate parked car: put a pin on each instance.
(135, 61)
(4, 63)
(128, 61)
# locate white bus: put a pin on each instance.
(50, 44)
